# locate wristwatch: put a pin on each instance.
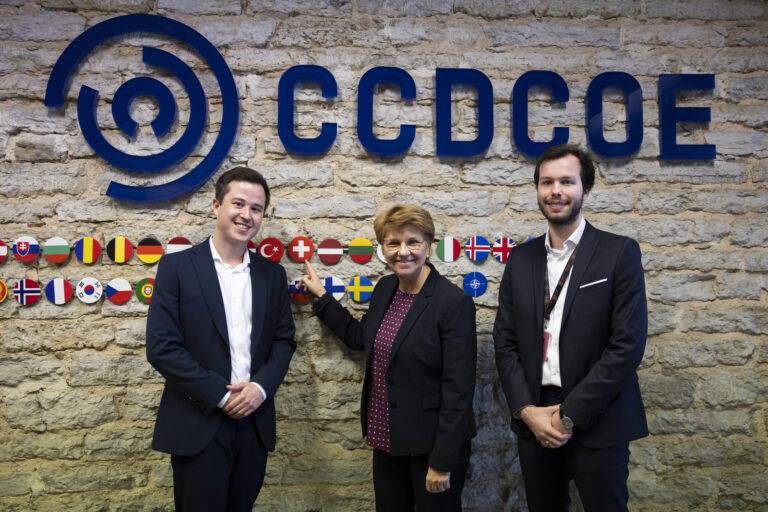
(566, 421)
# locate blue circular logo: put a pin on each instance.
(166, 113)
(475, 284)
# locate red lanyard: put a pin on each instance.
(549, 304)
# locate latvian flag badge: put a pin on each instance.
(177, 244)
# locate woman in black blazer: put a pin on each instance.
(421, 350)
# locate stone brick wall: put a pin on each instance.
(77, 398)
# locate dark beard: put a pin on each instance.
(575, 211)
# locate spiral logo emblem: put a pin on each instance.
(166, 112)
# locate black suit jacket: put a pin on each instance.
(602, 338)
(187, 343)
(431, 374)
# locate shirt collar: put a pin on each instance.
(220, 262)
(571, 241)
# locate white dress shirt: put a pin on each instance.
(235, 284)
(557, 259)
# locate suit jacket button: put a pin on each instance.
(392, 405)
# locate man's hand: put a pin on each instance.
(557, 423)
(541, 422)
(438, 481)
(246, 397)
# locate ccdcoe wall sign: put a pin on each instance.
(670, 115)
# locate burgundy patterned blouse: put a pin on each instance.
(378, 396)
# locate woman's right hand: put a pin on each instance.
(312, 283)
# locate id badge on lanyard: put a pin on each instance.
(547, 334)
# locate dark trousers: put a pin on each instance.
(226, 476)
(400, 484)
(600, 474)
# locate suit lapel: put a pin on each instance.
(378, 309)
(587, 247)
(259, 301)
(202, 261)
(538, 263)
(420, 303)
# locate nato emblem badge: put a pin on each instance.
(475, 284)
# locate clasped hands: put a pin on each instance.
(546, 426)
(245, 397)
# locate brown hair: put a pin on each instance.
(404, 215)
(241, 173)
(559, 151)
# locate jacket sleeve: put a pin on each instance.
(458, 339)
(507, 346)
(626, 345)
(166, 348)
(271, 373)
(340, 321)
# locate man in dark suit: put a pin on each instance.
(569, 335)
(220, 331)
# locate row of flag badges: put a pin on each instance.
(88, 250)
(330, 251)
(89, 290)
(360, 288)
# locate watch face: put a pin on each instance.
(567, 422)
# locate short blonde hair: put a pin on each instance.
(401, 215)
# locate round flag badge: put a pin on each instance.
(56, 250)
(272, 249)
(87, 250)
(251, 246)
(119, 249)
(58, 291)
(330, 251)
(144, 289)
(3, 291)
(335, 287)
(301, 249)
(88, 290)
(26, 292)
(149, 250)
(475, 284)
(26, 249)
(448, 249)
(3, 251)
(361, 250)
(298, 293)
(360, 289)
(501, 249)
(380, 253)
(477, 248)
(118, 291)
(177, 244)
